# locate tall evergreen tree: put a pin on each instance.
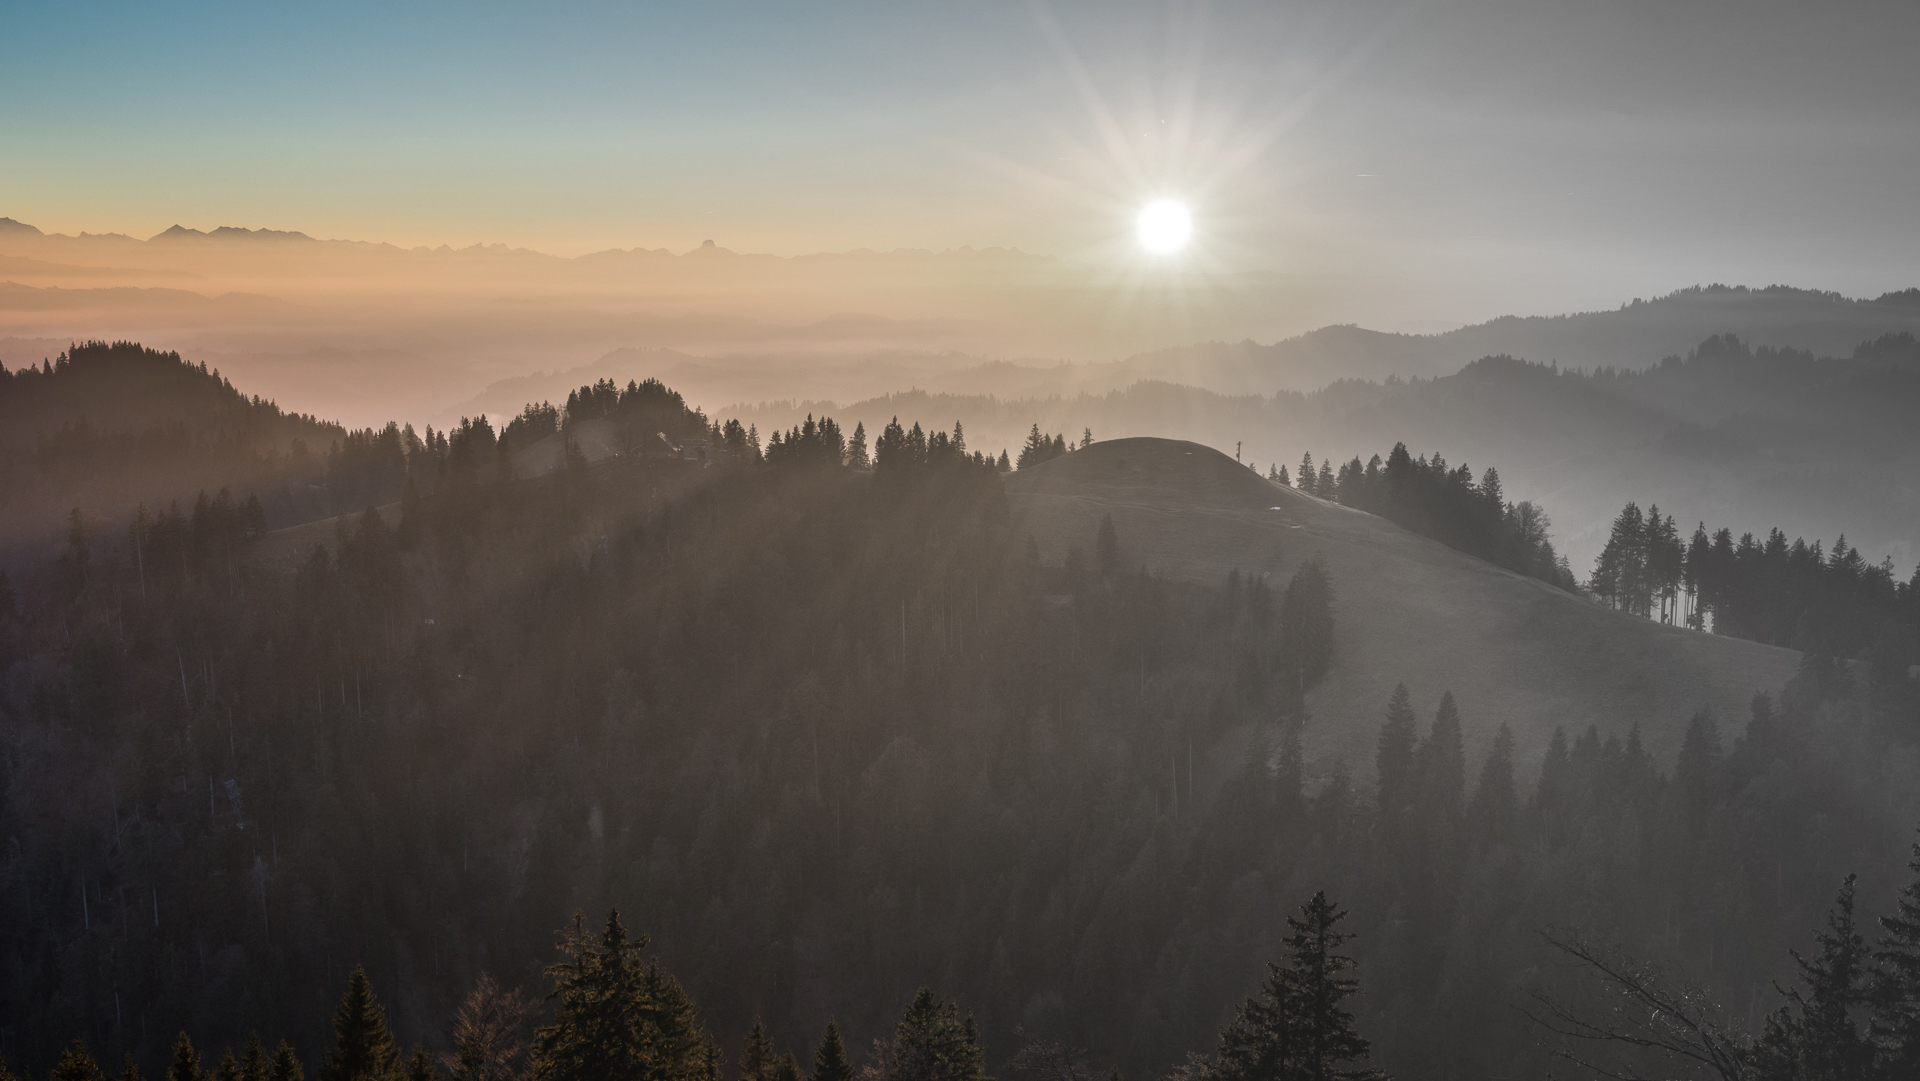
(286, 1064)
(1496, 806)
(1895, 1018)
(1106, 547)
(756, 1058)
(77, 1064)
(1816, 1036)
(1330, 1047)
(830, 1061)
(186, 1061)
(254, 1065)
(364, 1049)
(618, 1017)
(1394, 760)
(932, 1042)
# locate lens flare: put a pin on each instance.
(1164, 226)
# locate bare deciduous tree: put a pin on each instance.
(1641, 1021)
(489, 1035)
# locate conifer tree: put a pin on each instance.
(857, 457)
(1330, 1047)
(186, 1061)
(1285, 481)
(1815, 1036)
(1895, 1018)
(785, 1068)
(1442, 765)
(254, 1065)
(286, 1064)
(1106, 547)
(756, 1058)
(830, 1061)
(1394, 760)
(364, 1049)
(77, 1064)
(1495, 806)
(421, 1067)
(932, 1042)
(618, 1017)
(228, 1069)
(1308, 482)
(129, 1071)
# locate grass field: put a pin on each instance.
(1511, 649)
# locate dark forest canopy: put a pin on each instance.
(831, 735)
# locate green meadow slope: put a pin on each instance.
(1512, 650)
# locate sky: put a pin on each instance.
(1455, 160)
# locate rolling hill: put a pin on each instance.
(1512, 650)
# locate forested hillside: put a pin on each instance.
(829, 736)
(105, 427)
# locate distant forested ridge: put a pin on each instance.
(1787, 594)
(107, 426)
(830, 735)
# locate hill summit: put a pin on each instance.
(1512, 649)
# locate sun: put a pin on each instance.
(1164, 226)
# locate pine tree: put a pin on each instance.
(932, 1042)
(129, 1071)
(1815, 1037)
(830, 1061)
(1895, 1018)
(420, 1066)
(77, 1064)
(1495, 806)
(186, 1061)
(1442, 765)
(756, 1058)
(254, 1065)
(619, 1017)
(1328, 1037)
(785, 1068)
(1285, 481)
(1394, 760)
(1308, 483)
(364, 1049)
(286, 1064)
(1261, 1043)
(1324, 487)
(1106, 547)
(229, 1068)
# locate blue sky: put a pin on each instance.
(1463, 152)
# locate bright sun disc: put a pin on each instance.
(1164, 226)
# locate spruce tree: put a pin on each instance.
(1329, 1045)
(129, 1071)
(830, 1061)
(186, 1062)
(785, 1068)
(932, 1043)
(618, 1017)
(1895, 1018)
(286, 1064)
(1261, 1042)
(229, 1068)
(253, 1065)
(756, 1058)
(1443, 766)
(1495, 806)
(1815, 1036)
(77, 1064)
(421, 1067)
(1106, 547)
(364, 1049)
(1394, 760)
